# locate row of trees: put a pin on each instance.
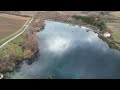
(92, 21)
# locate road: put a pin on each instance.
(61, 12)
(26, 26)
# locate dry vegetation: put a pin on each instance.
(115, 13)
(28, 41)
(10, 24)
(12, 53)
(28, 13)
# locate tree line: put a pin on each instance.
(92, 21)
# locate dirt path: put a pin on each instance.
(26, 26)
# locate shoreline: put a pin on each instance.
(29, 61)
(110, 41)
(18, 50)
(38, 25)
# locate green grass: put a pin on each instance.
(115, 28)
(13, 48)
(116, 36)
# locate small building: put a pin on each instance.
(107, 34)
(1, 76)
(82, 27)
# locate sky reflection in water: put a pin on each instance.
(67, 51)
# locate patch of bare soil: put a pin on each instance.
(10, 24)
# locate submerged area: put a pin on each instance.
(69, 52)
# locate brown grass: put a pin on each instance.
(116, 14)
(10, 24)
(28, 13)
(13, 16)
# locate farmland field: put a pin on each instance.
(10, 24)
(117, 13)
(115, 26)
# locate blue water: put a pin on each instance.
(69, 52)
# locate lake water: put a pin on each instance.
(69, 52)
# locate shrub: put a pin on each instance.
(91, 20)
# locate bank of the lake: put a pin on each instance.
(21, 48)
(100, 29)
(69, 52)
(30, 47)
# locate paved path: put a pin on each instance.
(26, 26)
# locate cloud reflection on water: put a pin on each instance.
(70, 52)
(58, 44)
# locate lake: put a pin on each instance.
(69, 52)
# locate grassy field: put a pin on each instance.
(11, 54)
(115, 27)
(13, 48)
(117, 13)
(10, 24)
